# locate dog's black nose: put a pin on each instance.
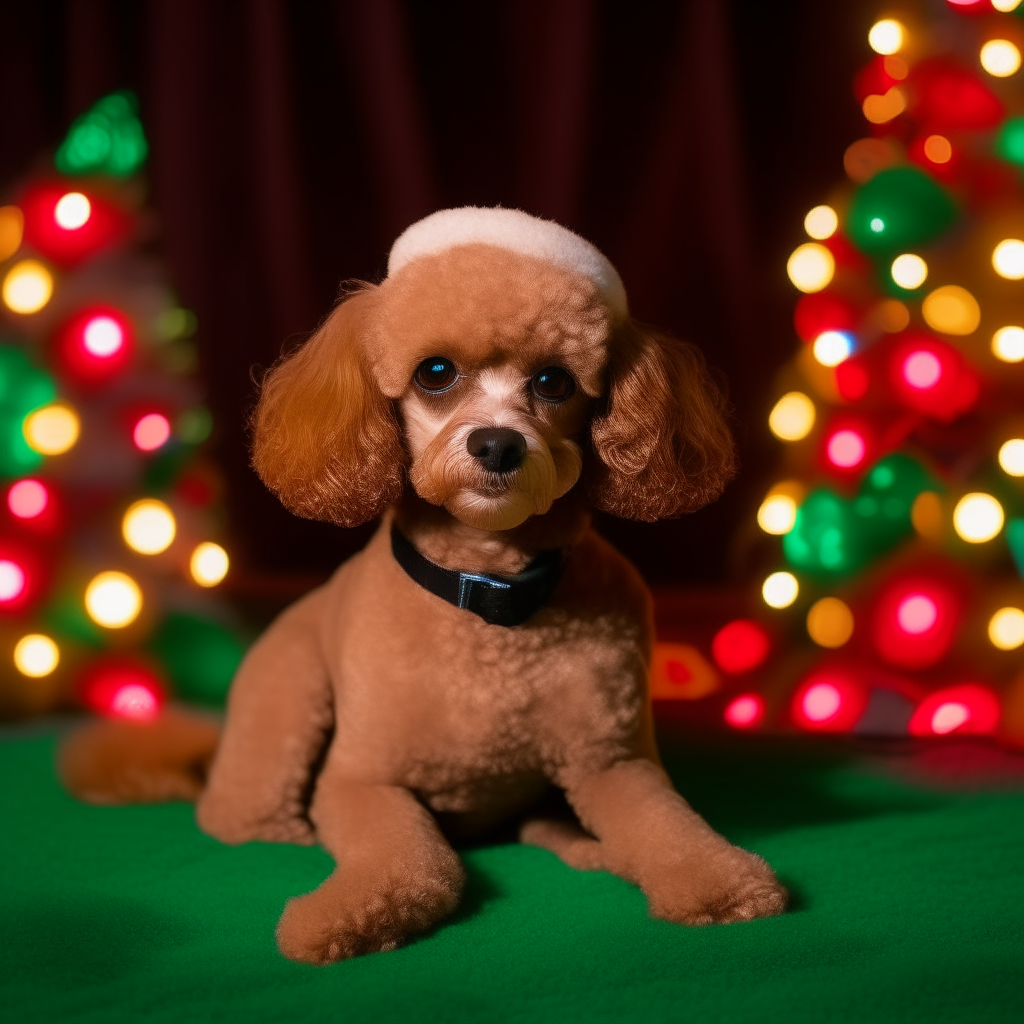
(500, 449)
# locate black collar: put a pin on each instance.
(498, 600)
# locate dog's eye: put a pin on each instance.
(436, 374)
(553, 384)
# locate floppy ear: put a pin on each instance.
(662, 440)
(326, 440)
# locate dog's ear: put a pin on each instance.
(326, 440)
(661, 441)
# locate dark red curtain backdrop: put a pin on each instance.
(291, 142)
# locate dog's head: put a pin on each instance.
(493, 368)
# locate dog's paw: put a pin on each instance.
(348, 917)
(732, 885)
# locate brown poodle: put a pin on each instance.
(487, 645)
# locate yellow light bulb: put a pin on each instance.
(12, 222)
(821, 222)
(148, 527)
(909, 271)
(1006, 629)
(777, 514)
(36, 655)
(51, 430)
(792, 417)
(978, 517)
(1008, 344)
(832, 348)
(1011, 457)
(811, 267)
(780, 590)
(27, 287)
(1005, 6)
(1000, 58)
(1008, 259)
(72, 210)
(938, 149)
(830, 622)
(209, 564)
(886, 36)
(951, 310)
(926, 515)
(113, 599)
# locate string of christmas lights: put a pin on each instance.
(111, 523)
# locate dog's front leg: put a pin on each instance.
(652, 837)
(396, 875)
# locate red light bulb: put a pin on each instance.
(846, 449)
(966, 708)
(12, 581)
(27, 499)
(828, 701)
(922, 370)
(740, 646)
(745, 711)
(151, 432)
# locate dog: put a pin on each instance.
(487, 646)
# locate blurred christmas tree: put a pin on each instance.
(891, 599)
(111, 512)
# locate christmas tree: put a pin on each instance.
(112, 527)
(892, 544)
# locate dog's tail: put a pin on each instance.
(114, 761)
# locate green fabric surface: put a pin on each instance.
(909, 907)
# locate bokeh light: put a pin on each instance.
(1008, 259)
(27, 287)
(922, 369)
(951, 310)
(1000, 58)
(740, 645)
(12, 224)
(1006, 628)
(832, 347)
(745, 711)
(792, 417)
(978, 517)
(811, 267)
(938, 149)
(122, 689)
(1008, 344)
(917, 613)
(52, 430)
(821, 222)
(909, 271)
(886, 36)
(830, 622)
(1005, 6)
(846, 448)
(882, 109)
(151, 432)
(780, 590)
(926, 515)
(72, 211)
(966, 708)
(148, 526)
(828, 702)
(12, 580)
(102, 336)
(777, 514)
(209, 564)
(36, 655)
(113, 599)
(1011, 456)
(27, 499)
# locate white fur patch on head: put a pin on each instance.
(514, 230)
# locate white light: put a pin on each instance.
(777, 514)
(1000, 58)
(1008, 259)
(113, 599)
(148, 527)
(209, 564)
(886, 36)
(821, 222)
(36, 655)
(832, 347)
(792, 417)
(1011, 457)
(810, 267)
(12, 579)
(909, 271)
(978, 517)
(1006, 629)
(780, 590)
(72, 211)
(1005, 6)
(103, 336)
(1008, 344)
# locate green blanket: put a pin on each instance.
(909, 906)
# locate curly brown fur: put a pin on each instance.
(372, 709)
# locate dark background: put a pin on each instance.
(291, 142)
